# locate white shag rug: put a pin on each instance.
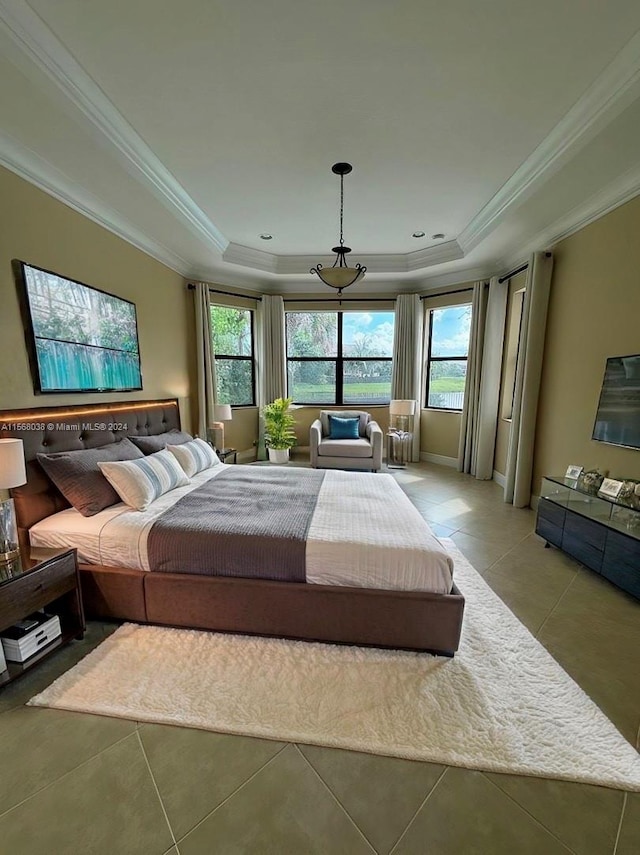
(503, 704)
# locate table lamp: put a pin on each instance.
(12, 474)
(400, 412)
(222, 413)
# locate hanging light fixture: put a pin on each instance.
(340, 275)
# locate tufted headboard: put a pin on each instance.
(73, 428)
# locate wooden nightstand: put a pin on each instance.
(41, 579)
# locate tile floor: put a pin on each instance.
(72, 783)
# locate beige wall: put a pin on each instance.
(36, 228)
(594, 313)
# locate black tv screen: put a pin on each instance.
(618, 416)
(79, 339)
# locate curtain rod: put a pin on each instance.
(518, 270)
(444, 293)
(192, 287)
(341, 300)
(513, 273)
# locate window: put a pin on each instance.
(232, 333)
(449, 330)
(339, 357)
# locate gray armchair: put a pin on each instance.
(365, 452)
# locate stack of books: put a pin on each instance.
(26, 637)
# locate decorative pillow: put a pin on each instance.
(158, 441)
(194, 456)
(344, 428)
(140, 482)
(77, 476)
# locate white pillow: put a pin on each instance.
(139, 482)
(194, 456)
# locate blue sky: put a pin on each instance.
(451, 329)
(376, 326)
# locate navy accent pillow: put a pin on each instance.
(344, 428)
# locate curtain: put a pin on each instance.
(406, 377)
(482, 390)
(272, 359)
(517, 490)
(206, 362)
(469, 424)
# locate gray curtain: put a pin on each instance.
(517, 490)
(206, 362)
(406, 377)
(272, 358)
(482, 391)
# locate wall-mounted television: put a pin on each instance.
(618, 416)
(80, 339)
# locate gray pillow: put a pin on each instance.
(77, 476)
(159, 441)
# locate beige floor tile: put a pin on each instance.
(38, 746)
(109, 805)
(528, 600)
(585, 818)
(381, 794)
(467, 815)
(629, 842)
(195, 770)
(285, 808)
(481, 553)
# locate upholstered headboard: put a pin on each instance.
(73, 428)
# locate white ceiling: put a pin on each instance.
(190, 128)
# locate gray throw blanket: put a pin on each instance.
(248, 521)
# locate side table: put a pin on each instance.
(224, 453)
(41, 578)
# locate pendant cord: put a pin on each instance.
(341, 206)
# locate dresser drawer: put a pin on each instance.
(621, 562)
(551, 513)
(37, 589)
(551, 533)
(585, 529)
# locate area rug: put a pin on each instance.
(502, 704)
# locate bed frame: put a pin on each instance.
(397, 619)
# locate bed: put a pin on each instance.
(373, 574)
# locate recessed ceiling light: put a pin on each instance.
(439, 236)
(418, 234)
(266, 236)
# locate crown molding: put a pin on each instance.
(606, 98)
(245, 256)
(455, 277)
(34, 169)
(615, 194)
(294, 265)
(40, 44)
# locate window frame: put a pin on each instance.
(250, 358)
(337, 360)
(431, 359)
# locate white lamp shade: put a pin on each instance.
(402, 408)
(222, 412)
(12, 468)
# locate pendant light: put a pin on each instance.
(340, 275)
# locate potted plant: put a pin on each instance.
(278, 429)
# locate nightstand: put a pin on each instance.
(41, 578)
(224, 453)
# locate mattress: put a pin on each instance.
(364, 533)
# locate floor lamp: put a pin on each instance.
(222, 413)
(12, 474)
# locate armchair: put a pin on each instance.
(363, 452)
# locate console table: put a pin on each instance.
(598, 532)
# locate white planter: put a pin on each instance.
(279, 455)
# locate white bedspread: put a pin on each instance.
(364, 533)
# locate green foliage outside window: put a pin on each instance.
(231, 330)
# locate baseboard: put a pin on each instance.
(499, 478)
(439, 459)
(534, 502)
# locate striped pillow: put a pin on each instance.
(194, 456)
(139, 482)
